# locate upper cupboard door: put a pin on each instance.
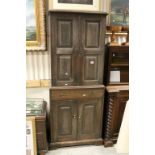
(64, 41)
(92, 33)
(92, 49)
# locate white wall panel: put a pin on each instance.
(38, 66)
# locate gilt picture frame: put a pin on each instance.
(78, 5)
(35, 25)
(31, 146)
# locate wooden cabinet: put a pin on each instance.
(76, 118)
(115, 102)
(77, 48)
(117, 65)
(37, 108)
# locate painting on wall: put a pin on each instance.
(35, 25)
(76, 1)
(119, 12)
(77, 5)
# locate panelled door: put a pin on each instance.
(64, 121)
(89, 119)
(64, 47)
(91, 49)
(119, 108)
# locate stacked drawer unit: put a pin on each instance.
(77, 93)
(116, 92)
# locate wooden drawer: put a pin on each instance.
(76, 92)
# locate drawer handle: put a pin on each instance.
(113, 54)
(84, 95)
(66, 73)
(66, 84)
(79, 117)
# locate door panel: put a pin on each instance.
(119, 108)
(92, 33)
(64, 41)
(65, 33)
(92, 29)
(89, 119)
(64, 121)
(92, 49)
(91, 68)
(64, 67)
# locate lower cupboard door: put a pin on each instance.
(64, 121)
(90, 119)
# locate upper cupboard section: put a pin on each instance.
(77, 48)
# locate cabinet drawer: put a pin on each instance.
(60, 94)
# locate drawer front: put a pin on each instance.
(76, 94)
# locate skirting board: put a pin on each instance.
(37, 83)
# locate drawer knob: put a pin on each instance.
(79, 117)
(84, 95)
(66, 84)
(113, 54)
(66, 73)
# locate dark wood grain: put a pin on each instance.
(75, 116)
(77, 48)
(115, 102)
(117, 59)
(41, 131)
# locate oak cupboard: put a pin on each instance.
(76, 115)
(76, 43)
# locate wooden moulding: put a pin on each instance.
(98, 141)
(37, 83)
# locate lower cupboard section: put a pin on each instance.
(76, 119)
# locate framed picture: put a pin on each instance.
(35, 25)
(31, 148)
(79, 5)
(118, 13)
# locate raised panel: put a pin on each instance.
(65, 120)
(64, 67)
(92, 30)
(90, 68)
(88, 118)
(65, 33)
(64, 124)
